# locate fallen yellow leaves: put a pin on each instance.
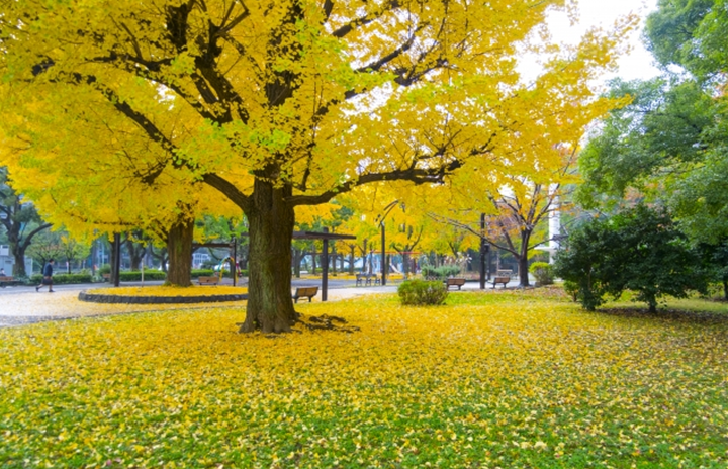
(193, 290)
(506, 380)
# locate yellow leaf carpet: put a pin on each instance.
(511, 380)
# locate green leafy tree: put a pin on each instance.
(690, 34)
(638, 249)
(21, 222)
(284, 104)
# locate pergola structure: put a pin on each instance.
(326, 237)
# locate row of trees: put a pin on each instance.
(668, 148)
(120, 116)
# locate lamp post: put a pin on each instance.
(381, 218)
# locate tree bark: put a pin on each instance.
(112, 261)
(297, 255)
(136, 252)
(523, 270)
(523, 258)
(313, 258)
(351, 260)
(179, 249)
(270, 306)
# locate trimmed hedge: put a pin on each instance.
(422, 292)
(136, 275)
(440, 273)
(62, 279)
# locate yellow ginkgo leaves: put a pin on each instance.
(509, 380)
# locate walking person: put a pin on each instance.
(47, 276)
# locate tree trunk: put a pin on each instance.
(179, 249)
(136, 252)
(333, 260)
(19, 258)
(270, 306)
(523, 258)
(313, 259)
(297, 255)
(112, 261)
(351, 260)
(523, 270)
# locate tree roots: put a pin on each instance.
(326, 323)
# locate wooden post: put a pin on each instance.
(325, 267)
(117, 255)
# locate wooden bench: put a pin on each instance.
(7, 280)
(504, 280)
(202, 280)
(308, 292)
(454, 282)
(106, 277)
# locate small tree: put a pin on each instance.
(638, 249)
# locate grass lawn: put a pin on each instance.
(501, 379)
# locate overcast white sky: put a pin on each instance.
(638, 64)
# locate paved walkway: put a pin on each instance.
(20, 305)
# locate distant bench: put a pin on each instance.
(305, 292)
(454, 282)
(503, 280)
(7, 280)
(366, 279)
(202, 280)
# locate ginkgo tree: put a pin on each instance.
(293, 102)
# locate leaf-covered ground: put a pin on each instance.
(507, 380)
(162, 290)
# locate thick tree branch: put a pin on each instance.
(229, 190)
(412, 174)
(29, 236)
(363, 20)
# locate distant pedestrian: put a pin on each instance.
(47, 276)
(2, 272)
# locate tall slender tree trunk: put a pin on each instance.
(179, 249)
(112, 261)
(523, 258)
(270, 306)
(297, 255)
(313, 258)
(351, 260)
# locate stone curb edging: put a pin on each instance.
(83, 296)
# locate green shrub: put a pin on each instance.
(104, 269)
(136, 275)
(63, 279)
(422, 292)
(572, 289)
(543, 272)
(440, 273)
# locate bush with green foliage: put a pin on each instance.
(543, 272)
(136, 275)
(422, 292)
(638, 249)
(440, 273)
(104, 269)
(63, 279)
